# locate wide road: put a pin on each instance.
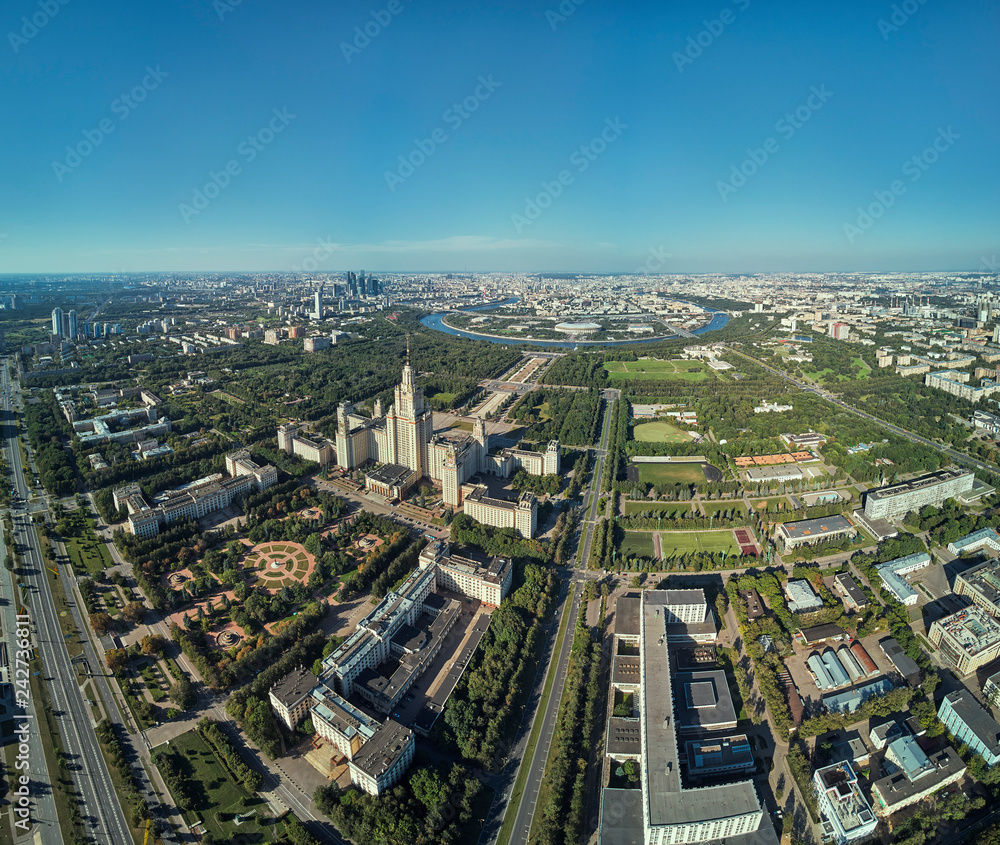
(536, 765)
(45, 823)
(957, 457)
(103, 817)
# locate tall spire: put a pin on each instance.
(407, 369)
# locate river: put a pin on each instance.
(436, 321)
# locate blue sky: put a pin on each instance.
(123, 117)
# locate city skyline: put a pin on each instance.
(716, 138)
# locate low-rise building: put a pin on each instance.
(892, 573)
(853, 596)
(801, 597)
(807, 532)
(970, 724)
(967, 639)
(916, 775)
(984, 538)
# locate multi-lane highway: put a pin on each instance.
(43, 820)
(102, 814)
(550, 663)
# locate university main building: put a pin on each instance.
(403, 442)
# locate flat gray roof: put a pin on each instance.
(627, 616)
(383, 749)
(703, 700)
(668, 804)
(623, 737)
(819, 527)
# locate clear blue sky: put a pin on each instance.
(554, 86)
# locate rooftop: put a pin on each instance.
(627, 616)
(295, 686)
(978, 720)
(815, 527)
(896, 789)
(390, 474)
(383, 749)
(904, 664)
(920, 483)
(667, 803)
(971, 629)
(984, 578)
(845, 797)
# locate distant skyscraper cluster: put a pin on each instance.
(64, 325)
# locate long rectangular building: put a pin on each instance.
(663, 811)
(897, 500)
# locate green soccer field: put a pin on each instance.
(670, 473)
(674, 543)
(660, 432)
(680, 370)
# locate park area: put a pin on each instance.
(654, 370)
(223, 807)
(660, 432)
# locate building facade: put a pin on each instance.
(897, 500)
(967, 639)
(970, 724)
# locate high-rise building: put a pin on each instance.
(72, 327)
(57, 321)
(318, 305)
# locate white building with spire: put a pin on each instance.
(403, 442)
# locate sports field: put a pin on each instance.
(660, 432)
(637, 543)
(670, 473)
(653, 370)
(674, 543)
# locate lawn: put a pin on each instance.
(462, 425)
(637, 543)
(652, 370)
(670, 473)
(216, 797)
(448, 399)
(660, 432)
(86, 553)
(675, 543)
